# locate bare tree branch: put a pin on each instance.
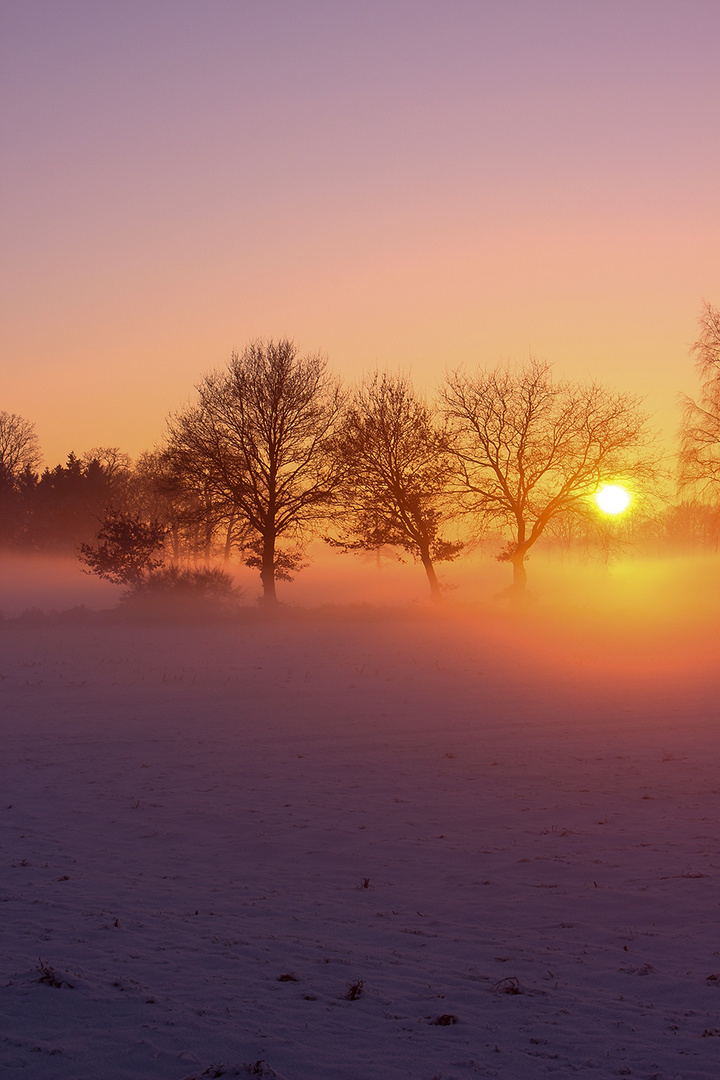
(530, 450)
(19, 445)
(699, 459)
(257, 440)
(395, 468)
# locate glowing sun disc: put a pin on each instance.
(612, 498)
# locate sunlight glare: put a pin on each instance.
(612, 498)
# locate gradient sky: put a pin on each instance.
(397, 184)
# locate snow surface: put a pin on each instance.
(367, 846)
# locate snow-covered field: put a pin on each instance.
(360, 845)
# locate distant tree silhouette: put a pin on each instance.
(62, 507)
(689, 525)
(700, 432)
(149, 497)
(530, 450)
(68, 502)
(255, 444)
(19, 445)
(124, 549)
(115, 464)
(395, 469)
(202, 522)
(19, 458)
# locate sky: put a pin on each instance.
(401, 184)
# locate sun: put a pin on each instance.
(612, 498)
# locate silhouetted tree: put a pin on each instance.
(395, 468)
(69, 501)
(255, 444)
(685, 526)
(19, 445)
(19, 458)
(530, 450)
(700, 431)
(202, 521)
(124, 549)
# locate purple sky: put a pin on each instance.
(397, 184)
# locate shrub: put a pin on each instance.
(172, 589)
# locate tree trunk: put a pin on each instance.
(519, 573)
(267, 574)
(227, 550)
(431, 575)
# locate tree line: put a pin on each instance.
(275, 451)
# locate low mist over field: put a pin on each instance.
(640, 616)
(653, 594)
(377, 842)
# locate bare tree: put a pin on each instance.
(531, 451)
(256, 442)
(395, 472)
(202, 522)
(19, 445)
(115, 463)
(700, 431)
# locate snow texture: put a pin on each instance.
(381, 847)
